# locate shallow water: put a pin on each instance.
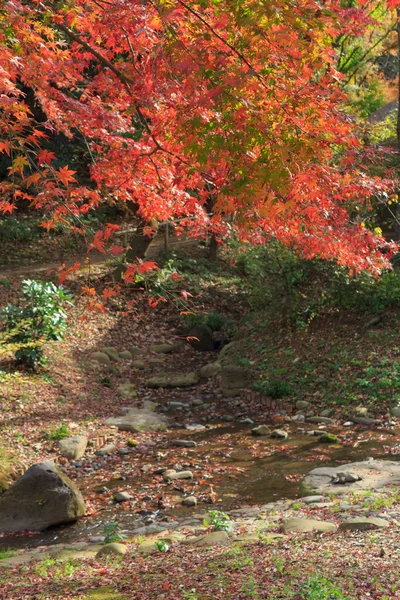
(255, 479)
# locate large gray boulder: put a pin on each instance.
(373, 474)
(73, 448)
(42, 497)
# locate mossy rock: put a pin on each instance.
(138, 364)
(210, 370)
(101, 357)
(173, 380)
(167, 348)
(328, 438)
(112, 353)
(125, 355)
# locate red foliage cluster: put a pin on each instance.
(225, 115)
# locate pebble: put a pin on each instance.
(189, 501)
(122, 497)
(171, 476)
(195, 427)
(177, 405)
(185, 443)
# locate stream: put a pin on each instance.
(254, 471)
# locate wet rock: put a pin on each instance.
(172, 475)
(42, 497)
(279, 434)
(234, 379)
(313, 499)
(101, 357)
(363, 420)
(364, 524)
(303, 525)
(167, 348)
(261, 430)
(302, 404)
(125, 355)
(324, 420)
(73, 447)
(201, 338)
(122, 497)
(173, 380)
(342, 478)
(111, 352)
(185, 443)
(328, 438)
(189, 501)
(376, 474)
(177, 405)
(210, 370)
(195, 427)
(113, 549)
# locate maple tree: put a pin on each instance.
(225, 115)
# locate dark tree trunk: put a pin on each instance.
(213, 249)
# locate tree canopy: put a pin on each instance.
(181, 102)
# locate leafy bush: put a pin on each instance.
(300, 289)
(215, 321)
(274, 388)
(40, 318)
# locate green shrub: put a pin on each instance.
(38, 319)
(274, 388)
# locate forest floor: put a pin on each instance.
(175, 551)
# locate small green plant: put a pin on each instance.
(218, 520)
(319, 588)
(59, 433)
(7, 553)
(44, 566)
(39, 317)
(162, 546)
(112, 533)
(189, 595)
